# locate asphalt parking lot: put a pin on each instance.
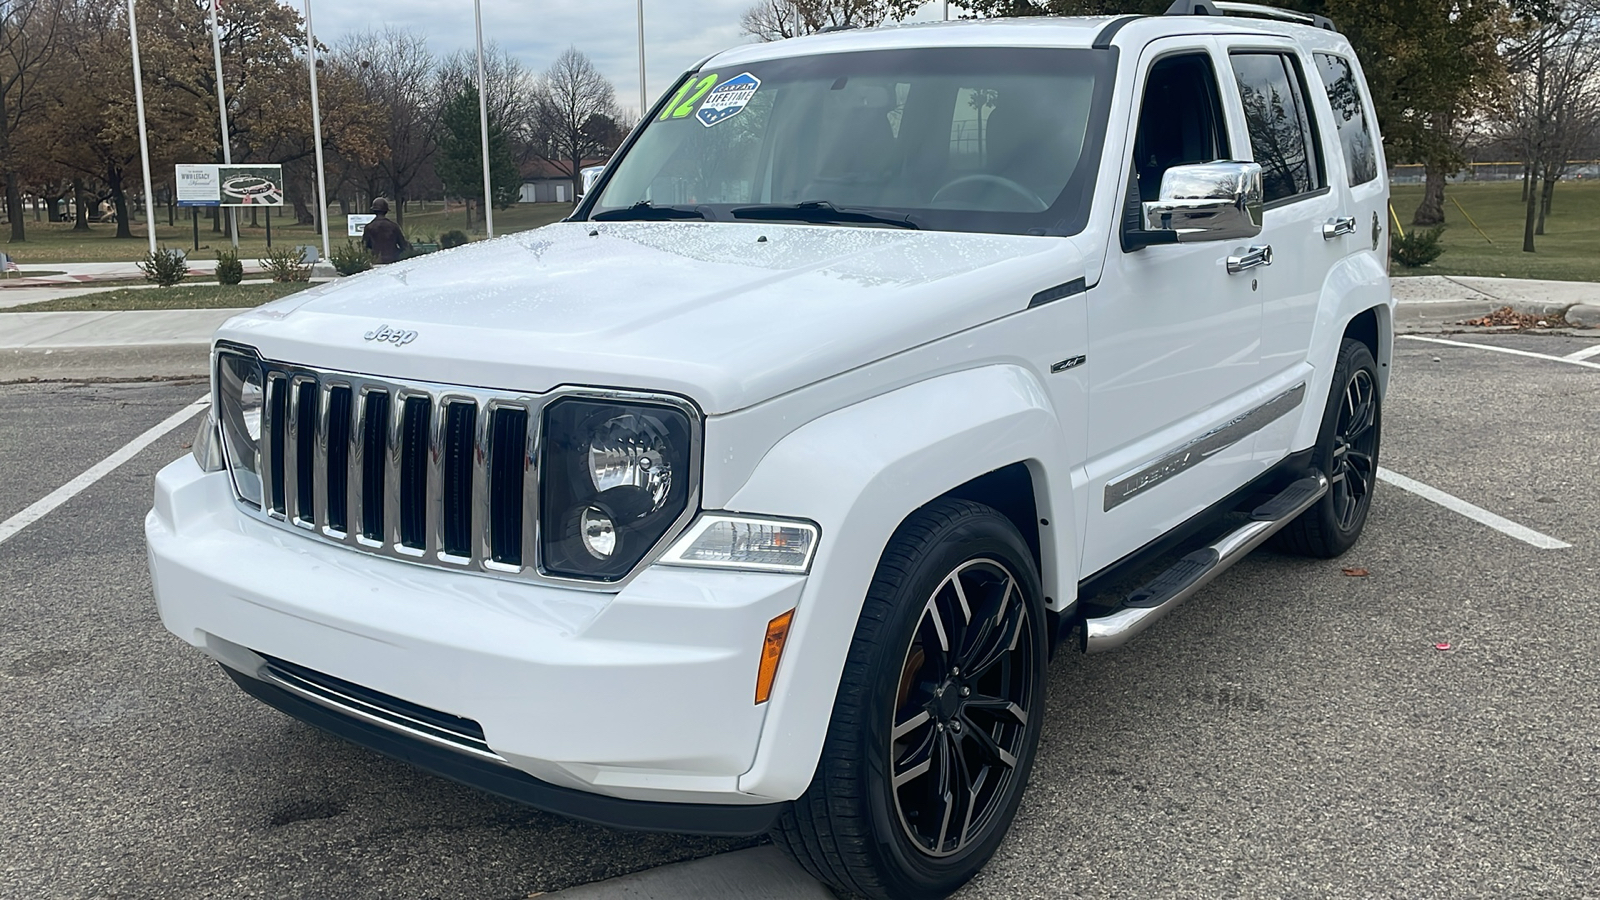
(1291, 731)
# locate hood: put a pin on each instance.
(725, 314)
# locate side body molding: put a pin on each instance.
(859, 472)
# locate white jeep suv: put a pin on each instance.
(755, 496)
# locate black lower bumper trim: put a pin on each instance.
(513, 784)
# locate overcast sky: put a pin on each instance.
(678, 33)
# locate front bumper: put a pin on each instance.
(645, 695)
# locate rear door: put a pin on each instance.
(1305, 196)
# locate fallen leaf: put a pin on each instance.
(1357, 573)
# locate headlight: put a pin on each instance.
(615, 477)
(207, 447)
(241, 401)
(724, 541)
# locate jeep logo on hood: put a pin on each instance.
(395, 336)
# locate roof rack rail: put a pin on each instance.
(1226, 7)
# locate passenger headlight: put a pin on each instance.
(615, 477)
(724, 541)
(240, 403)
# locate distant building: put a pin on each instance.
(542, 182)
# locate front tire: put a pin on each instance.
(1347, 452)
(937, 716)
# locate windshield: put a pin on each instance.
(1000, 139)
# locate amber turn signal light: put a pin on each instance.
(771, 651)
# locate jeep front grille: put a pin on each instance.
(428, 473)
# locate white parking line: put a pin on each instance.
(1560, 359)
(99, 470)
(1476, 513)
(1585, 353)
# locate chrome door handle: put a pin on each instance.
(1253, 257)
(1337, 226)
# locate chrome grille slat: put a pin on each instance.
(391, 474)
(357, 425)
(319, 462)
(273, 444)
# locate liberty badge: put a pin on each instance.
(728, 99)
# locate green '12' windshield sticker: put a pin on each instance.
(683, 102)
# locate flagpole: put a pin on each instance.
(222, 115)
(483, 123)
(316, 131)
(644, 100)
(144, 138)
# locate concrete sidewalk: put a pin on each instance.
(1439, 300)
(89, 273)
(133, 328)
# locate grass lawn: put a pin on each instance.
(58, 243)
(214, 296)
(1569, 250)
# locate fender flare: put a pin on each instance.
(1358, 283)
(859, 472)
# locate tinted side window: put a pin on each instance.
(1355, 136)
(1180, 120)
(1278, 117)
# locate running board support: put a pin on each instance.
(1167, 591)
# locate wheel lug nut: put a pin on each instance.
(966, 692)
(955, 727)
(956, 671)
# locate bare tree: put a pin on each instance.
(396, 71)
(577, 117)
(775, 20)
(513, 98)
(28, 33)
(1552, 102)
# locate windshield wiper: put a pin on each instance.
(822, 212)
(645, 211)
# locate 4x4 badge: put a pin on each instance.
(395, 336)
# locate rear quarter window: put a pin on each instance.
(1350, 117)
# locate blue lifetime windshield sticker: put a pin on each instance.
(728, 99)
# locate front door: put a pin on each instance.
(1175, 340)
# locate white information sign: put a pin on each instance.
(199, 185)
(356, 225)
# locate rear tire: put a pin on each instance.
(1347, 452)
(937, 716)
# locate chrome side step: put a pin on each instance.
(1188, 575)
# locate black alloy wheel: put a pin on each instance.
(962, 707)
(1355, 448)
(1347, 453)
(937, 715)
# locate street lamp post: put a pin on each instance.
(144, 137)
(222, 115)
(483, 123)
(316, 131)
(644, 97)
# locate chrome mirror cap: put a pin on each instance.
(1215, 201)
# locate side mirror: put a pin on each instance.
(1216, 201)
(587, 176)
